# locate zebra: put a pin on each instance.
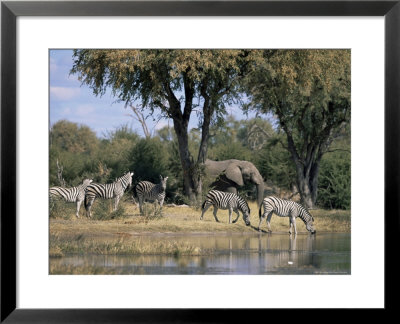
(74, 194)
(146, 190)
(285, 208)
(107, 191)
(226, 200)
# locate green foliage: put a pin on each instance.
(74, 138)
(74, 146)
(144, 74)
(149, 160)
(103, 209)
(156, 79)
(309, 92)
(60, 209)
(235, 150)
(335, 181)
(115, 153)
(305, 94)
(275, 165)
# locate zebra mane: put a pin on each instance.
(305, 215)
(122, 179)
(244, 200)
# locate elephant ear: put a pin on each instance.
(234, 174)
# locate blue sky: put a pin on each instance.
(72, 101)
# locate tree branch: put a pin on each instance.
(141, 119)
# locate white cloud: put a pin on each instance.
(84, 110)
(53, 65)
(64, 93)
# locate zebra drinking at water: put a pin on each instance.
(226, 200)
(285, 208)
(146, 190)
(74, 194)
(107, 191)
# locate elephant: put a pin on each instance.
(231, 174)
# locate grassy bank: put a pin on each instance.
(187, 220)
(125, 234)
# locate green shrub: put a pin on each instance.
(102, 209)
(334, 182)
(60, 209)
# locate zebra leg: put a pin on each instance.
(116, 202)
(140, 204)
(161, 202)
(237, 213)
(78, 206)
(292, 221)
(215, 214)
(269, 221)
(89, 207)
(230, 215)
(206, 206)
(261, 219)
(294, 225)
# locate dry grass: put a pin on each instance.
(187, 220)
(124, 235)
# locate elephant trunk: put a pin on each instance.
(260, 193)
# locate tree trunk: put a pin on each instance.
(307, 175)
(191, 179)
(305, 192)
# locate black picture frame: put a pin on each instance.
(10, 10)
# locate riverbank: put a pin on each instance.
(122, 235)
(178, 219)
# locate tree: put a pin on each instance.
(174, 82)
(69, 136)
(72, 148)
(309, 93)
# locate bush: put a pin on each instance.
(334, 189)
(102, 209)
(60, 209)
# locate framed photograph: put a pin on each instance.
(258, 109)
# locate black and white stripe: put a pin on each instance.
(74, 194)
(146, 190)
(285, 208)
(226, 200)
(107, 191)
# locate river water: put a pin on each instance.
(323, 253)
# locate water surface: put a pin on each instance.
(323, 253)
